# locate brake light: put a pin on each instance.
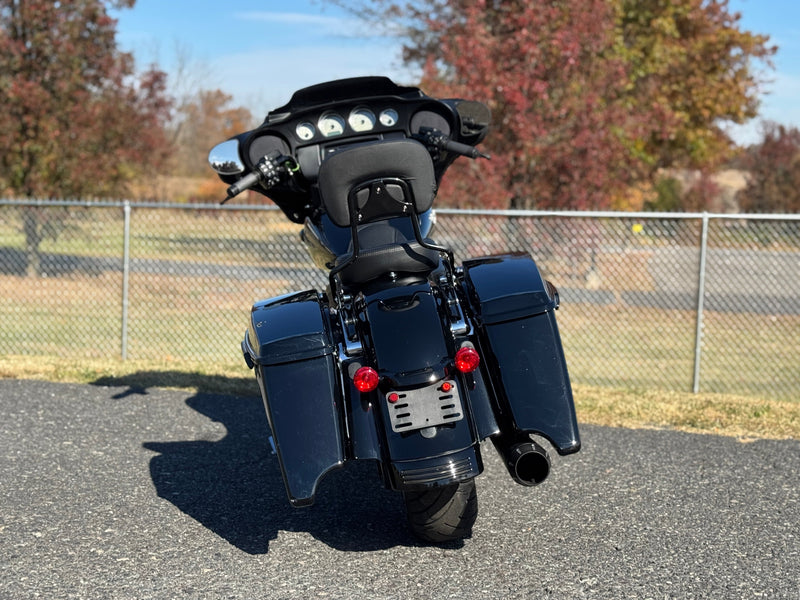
(467, 359)
(366, 379)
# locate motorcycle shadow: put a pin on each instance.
(234, 487)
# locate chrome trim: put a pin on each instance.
(460, 325)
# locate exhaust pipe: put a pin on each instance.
(526, 461)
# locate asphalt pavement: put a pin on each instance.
(116, 492)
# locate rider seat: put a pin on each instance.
(368, 187)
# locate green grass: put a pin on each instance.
(231, 377)
(653, 348)
(203, 319)
(165, 234)
(80, 316)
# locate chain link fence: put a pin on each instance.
(671, 301)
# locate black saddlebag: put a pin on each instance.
(514, 310)
(289, 344)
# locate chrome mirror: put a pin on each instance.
(224, 158)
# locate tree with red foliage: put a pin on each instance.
(773, 168)
(204, 119)
(589, 96)
(75, 122)
(562, 128)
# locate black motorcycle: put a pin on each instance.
(406, 359)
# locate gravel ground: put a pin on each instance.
(112, 492)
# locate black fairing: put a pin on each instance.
(295, 195)
(342, 89)
(514, 309)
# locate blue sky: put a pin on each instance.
(260, 51)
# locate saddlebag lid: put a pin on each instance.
(507, 287)
(288, 329)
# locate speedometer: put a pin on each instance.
(361, 119)
(331, 125)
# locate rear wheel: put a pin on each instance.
(443, 514)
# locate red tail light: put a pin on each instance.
(366, 379)
(467, 359)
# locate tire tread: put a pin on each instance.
(443, 514)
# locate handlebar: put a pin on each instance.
(435, 138)
(244, 183)
(268, 172)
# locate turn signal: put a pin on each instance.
(467, 359)
(366, 379)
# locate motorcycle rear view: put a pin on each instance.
(406, 359)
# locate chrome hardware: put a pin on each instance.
(352, 344)
(458, 323)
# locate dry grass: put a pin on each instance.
(743, 417)
(210, 377)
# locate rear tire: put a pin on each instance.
(443, 514)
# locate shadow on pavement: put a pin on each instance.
(234, 487)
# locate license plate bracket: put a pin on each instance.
(430, 406)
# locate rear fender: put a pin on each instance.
(410, 345)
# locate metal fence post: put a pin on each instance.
(701, 292)
(126, 264)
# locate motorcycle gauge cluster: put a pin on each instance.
(332, 124)
(388, 117)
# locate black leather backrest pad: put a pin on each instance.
(403, 159)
